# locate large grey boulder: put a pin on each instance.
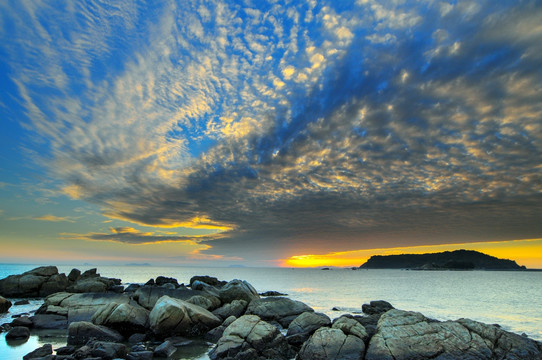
(177, 317)
(249, 337)
(350, 326)
(208, 302)
(125, 318)
(235, 308)
(80, 307)
(91, 285)
(405, 335)
(206, 288)
(147, 296)
(18, 332)
(81, 332)
(25, 285)
(238, 290)
(308, 323)
(55, 283)
(281, 309)
(5, 304)
(332, 344)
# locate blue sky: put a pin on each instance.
(252, 131)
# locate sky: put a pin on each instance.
(269, 133)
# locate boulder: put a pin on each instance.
(236, 308)
(107, 350)
(165, 349)
(17, 333)
(80, 307)
(140, 355)
(238, 290)
(25, 285)
(46, 271)
(49, 321)
(89, 285)
(161, 280)
(22, 321)
(90, 273)
(147, 296)
(40, 352)
(206, 288)
(308, 323)
(281, 309)
(408, 335)
(272, 293)
(55, 283)
(330, 344)
(207, 302)
(82, 331)
(5, 304)
(350, 327)
(177, 317)
(376, 307)
(74, 275)
(209, 280)
(125, 318)
(215, 334)
(249, 337)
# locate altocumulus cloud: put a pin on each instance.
(322, 126)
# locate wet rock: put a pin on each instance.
(281, 309)
(107, 350)
(236, 308)
(49, 321)
(376, 307)
(238, 290)
(140, 355)
(308, 323)
(55, 283)
(81, 332)
(18, 333)
(249, 337)
(22, 321)
(177, 317)
(21, 302)
(65, 350)
(40, 352)
(165, 350)
(125, 318)
(5, 304)
(330, 344)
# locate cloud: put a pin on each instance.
(48, 217)
(129, 235)
(350, 127)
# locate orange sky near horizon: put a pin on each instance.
(527, 252)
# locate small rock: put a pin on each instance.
(137, 338)
(22, 302)
(238, 290)
(5, 304)
(22, 321)
(165, 350)
(376, 307)
(108, 350)
(65, 350)
(74, 275)
(81, 332)
(140, 355)
(209, 280)
(236, 308)
(18, 333)
(308, 322)
(43, 351)
(161, 280)
(272, 293)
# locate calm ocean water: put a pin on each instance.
(510, 299)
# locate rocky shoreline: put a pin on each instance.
(105, 320)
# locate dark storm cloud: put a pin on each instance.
(423, 127)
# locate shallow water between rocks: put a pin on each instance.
(511, 299)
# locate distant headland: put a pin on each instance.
(447, 260)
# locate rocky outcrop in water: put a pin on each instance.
(244, 326)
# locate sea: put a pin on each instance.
(512, 299)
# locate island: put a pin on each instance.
(447, 260)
